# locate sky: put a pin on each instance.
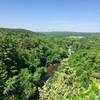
(51, 15)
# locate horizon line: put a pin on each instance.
(47, 31)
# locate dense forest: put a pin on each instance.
(49, 66)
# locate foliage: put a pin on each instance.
(78, 76)
(24, 56)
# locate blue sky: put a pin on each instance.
(51, 15)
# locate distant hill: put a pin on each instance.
(17, 31)
(54, 34)
(63, 34)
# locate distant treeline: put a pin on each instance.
(63, 34)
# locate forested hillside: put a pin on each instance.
(24, 58)
(78, 76)
(41, 66)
